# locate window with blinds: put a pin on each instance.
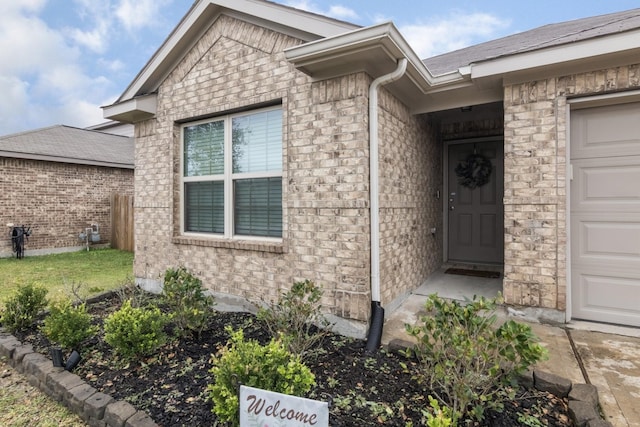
(232, 175)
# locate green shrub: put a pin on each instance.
(469, 364)
(190, 307)
(297, 318)
(269, 367)
(134, 331)
(21, 309)
(437, 416)
(68, 325)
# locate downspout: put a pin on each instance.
(377, 312)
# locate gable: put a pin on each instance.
(138, 103)
(233, 57)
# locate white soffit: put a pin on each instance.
(132, 110)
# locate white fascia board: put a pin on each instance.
(557, 55)
(187, 33)
(288, 16)
(385, 36)
(132, 110)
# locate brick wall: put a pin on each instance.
(535, 181)
(410, 175)
(58, 200)
(325, 177)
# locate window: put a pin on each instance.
(232, 175)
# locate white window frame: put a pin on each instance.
(228, 177)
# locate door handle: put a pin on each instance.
(451, 208)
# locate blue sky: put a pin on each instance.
(60, 60)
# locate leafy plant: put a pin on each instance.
(191, 308)
(135, 331)
(438, 416)
(21, 309)
(469, 363)
(270, 367)
(68, 325)
(297, 317)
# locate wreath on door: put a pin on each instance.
(474, 172)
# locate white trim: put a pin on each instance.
(384, 36)
(562, 54)
(132, 110)
(624, 97)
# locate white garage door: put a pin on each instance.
(605, 214)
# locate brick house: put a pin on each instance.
(274, 145)
(59, 180)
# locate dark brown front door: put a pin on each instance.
(475, 206)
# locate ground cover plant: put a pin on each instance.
(175, 383)
(97, 270)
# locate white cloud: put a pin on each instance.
(13, 6)
(13, 104)
(136, 14)
(341, 12)
(96, 39)
(46, 83)
(335, 11)
(454, 32)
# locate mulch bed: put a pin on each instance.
(362, 389)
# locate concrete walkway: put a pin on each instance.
(605, 356)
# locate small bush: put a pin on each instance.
(468, 363)
(297, 318)
(269, 367)
(190, 307)
(134, 331)
(136, 296)
(437, 417)
(68, 325)
(22, 308)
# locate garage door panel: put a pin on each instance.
(605, 214)
(606, 183)
(615, 299)
(605, 131)
(598, 240)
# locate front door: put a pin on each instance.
(475, 206)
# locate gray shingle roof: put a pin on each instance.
(70, 145)
(538, 38)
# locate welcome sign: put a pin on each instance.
(263, 408)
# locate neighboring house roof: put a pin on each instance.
(539, 38)
(113, 127)
(67, 144)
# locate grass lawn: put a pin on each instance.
(96, 271)
(24, 405)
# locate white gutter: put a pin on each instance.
(373, 174)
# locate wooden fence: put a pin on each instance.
(122, 222)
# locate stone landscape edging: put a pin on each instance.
(584, 406)
(96, 408)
